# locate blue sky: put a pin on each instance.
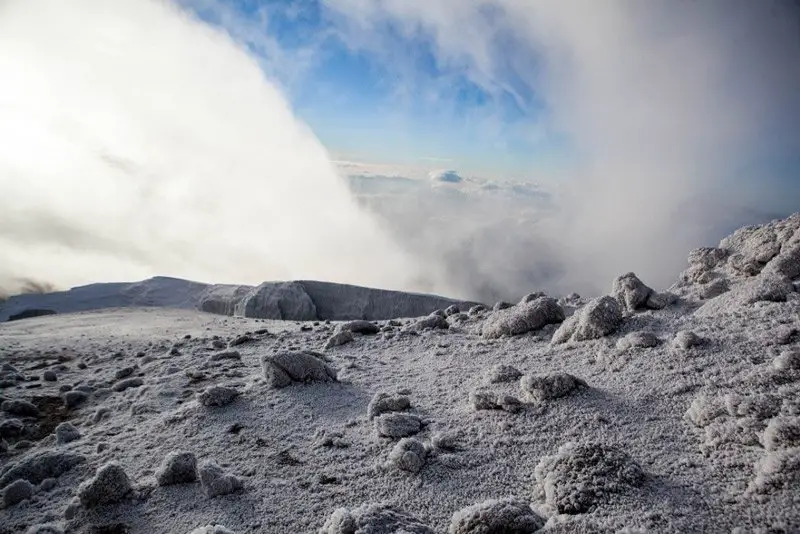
(396, 106)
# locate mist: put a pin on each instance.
(679, 114)
(138, 141)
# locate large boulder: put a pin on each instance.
(283, 368)
(504, 516)
(522, 318)
(600, 317)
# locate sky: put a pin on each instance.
(238, 141)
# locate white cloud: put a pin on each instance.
(138, 141)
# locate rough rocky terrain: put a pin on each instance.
(637, 411)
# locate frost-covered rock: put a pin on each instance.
(431, 322)
(21, 408)
(785, 264)
(283, 368)
(43, 465)
(231, 354)
(582, 475)
(16, 492)
(548, 387)
(600, 317)
(383, 403)
(633, 294)
(66, 432)
(757, 406)
(501, 305)
(488, 400)
(128, 383)
(686, 339)
(504, 516)
(373, 519)
(45, 528)
(218, 396)
(178, 467)
(408, 454)
(637, 340)
(522, 318)
(11, 428)
(340, 338)
(788, 360)
(451, 310)
(397, 425)
(216, 481)
(109, 485)
(776, 470)
(282, 300)
(502, 373)
(49, 376)
(764, 288)
(212, 529)
(530, 297)
(782, 433)
(704, 409)
(360, 327)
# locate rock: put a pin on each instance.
(383, 403)
(476, 310)
(632, 294)
(758, 406)
(339, 339)
(108, 486)
(122, 385)
(788, 360)
(451, 310)
(786, 264)
(212, 529)
(764, 288)
(48, 484)
(49, 376)
(778, 469)
(522, 318)
(704, 409)
(487, 400)
(218, 396)
(359, 327)
(11, 428)
(373, 519)
(530, 297)
(66, 433)
(43, 465)
(397, 425)
(216, 482)
(21, 408)
(124, 372)
(686, 339)
(502, 373)
(431, 322)
(506, 516)
(288, 301)
(637, 340)
(408, 454)
(782, 433)
(45, 528)
(16, 492)
(600, 317)
(283, 368)
(549, 387)
(241, 340)
(178, 467)
(580, 476)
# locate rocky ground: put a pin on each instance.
(638, 411)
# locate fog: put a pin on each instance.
(139, 141)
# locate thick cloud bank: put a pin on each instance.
(137, 141)
(681, 114)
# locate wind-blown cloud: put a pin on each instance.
(665, 104)
(136, 141)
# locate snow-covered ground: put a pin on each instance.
(641, 411)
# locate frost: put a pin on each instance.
(782, 433)
(548, 387)
(373, 519)
(505, 516)
(408, 454)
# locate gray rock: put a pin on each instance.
(487, 400)
(637, 340)
(122, 385)
(506, 516)
(383, 403)
(549, 387)
(216, 482)
(178, 467)
(124, 372)
(66, 433)
(451, 310)
(44, 465)
(226, 355)
(580, 476)
(45, 528)
(788, 360)
(632, 293)
(21, 408)
(764, 288)
(502, 373)
(283, 368)
(522, 318)
(108, 486)
(16, 492)
(339, 339)
(431, 322)
(397, 425)
(218, 396)
(11, 428)
(408, 454)
(787, 263)
(212, 529)
(686, 339)
(74, 398)
(359, 327)
(600, 317)
(49, 376)
(501, 305)
(373, 519)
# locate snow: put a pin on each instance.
(679, 419)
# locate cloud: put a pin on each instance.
(665, 105)
(137, 140)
